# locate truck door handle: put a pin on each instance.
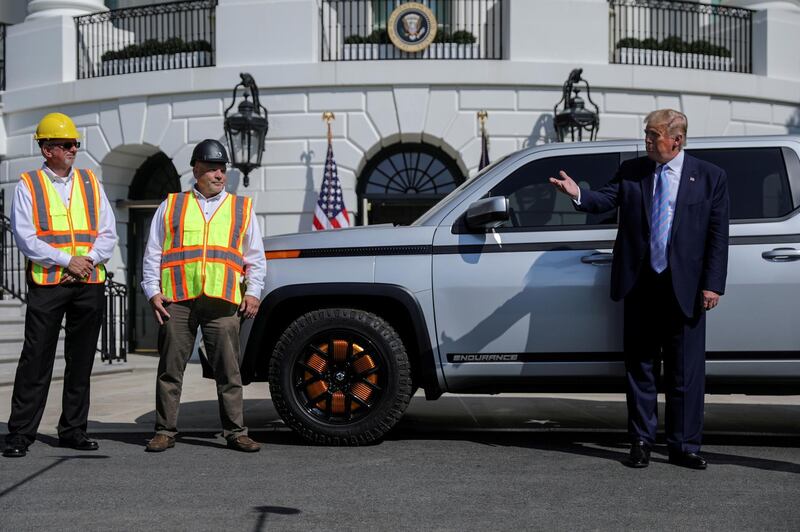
(598, 259)
(781, 255)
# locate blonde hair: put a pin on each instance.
(675, 122)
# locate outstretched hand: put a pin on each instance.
(565, 184)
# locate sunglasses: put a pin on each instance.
(66, 146)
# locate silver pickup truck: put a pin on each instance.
(504, 287)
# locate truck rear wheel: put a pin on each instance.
(340, 376)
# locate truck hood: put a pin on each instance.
(358, 237)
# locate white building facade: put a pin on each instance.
(139, 129)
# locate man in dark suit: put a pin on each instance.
(670, 264)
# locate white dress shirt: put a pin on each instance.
(253, 248)
(43, 253)
(673, 172)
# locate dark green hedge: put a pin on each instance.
(154, 47)
(382, 37)
(675, 44)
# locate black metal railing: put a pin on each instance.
(12, 264)
(145, 39)
(113, 342)
(681, 34)
(113, 333)
(3, 56)
(356, 30)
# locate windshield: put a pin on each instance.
(445, 201)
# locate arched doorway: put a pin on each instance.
(154, 179)
(403, 181)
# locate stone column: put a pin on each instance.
(67, 8)
(568, 31)
(776, 37)
(274, 32)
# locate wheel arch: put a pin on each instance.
(393, 303)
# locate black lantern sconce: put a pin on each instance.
(247, 128)
(575, 117)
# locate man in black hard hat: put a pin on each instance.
(204, 245)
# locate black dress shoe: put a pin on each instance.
(686, 459)
(640, 455)
(79, 443)
(16, 447)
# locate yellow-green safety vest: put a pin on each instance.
(203, 257)
(72, 230)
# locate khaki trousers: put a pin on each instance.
(219, 322)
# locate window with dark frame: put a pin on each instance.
(535, 203)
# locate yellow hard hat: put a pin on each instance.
(56, 126)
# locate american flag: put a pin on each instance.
(330, 212)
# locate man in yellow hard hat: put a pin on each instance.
(65, 227)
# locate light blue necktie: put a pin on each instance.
(660, 222)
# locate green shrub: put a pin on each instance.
(675, 44)
(629, 42)
(650, 44)
(463, 37)
(150, 47)
(381, 36)
(355, 39)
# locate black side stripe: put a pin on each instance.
(516, 247)
(367, 251)
(493, 358)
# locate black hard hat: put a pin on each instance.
(209, 151)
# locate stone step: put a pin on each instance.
(11, 308)
(11, 323)
(9, 353)
(99, 369)
(13, 332)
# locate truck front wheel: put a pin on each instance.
(340, 376)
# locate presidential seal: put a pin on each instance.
(412, 27)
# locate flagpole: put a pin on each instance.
(482, 116)
(329, 117)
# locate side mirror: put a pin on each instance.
(487, 212)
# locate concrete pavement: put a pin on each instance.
(124, 402)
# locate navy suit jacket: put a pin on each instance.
(698, 246)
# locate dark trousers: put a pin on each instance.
(47, 305)
(219, 322)
(657, 330)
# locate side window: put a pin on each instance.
(535, 203)
(758, 183)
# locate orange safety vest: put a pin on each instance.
(203, 257)
(72, 230)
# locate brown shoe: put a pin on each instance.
(244, 444)
(160, 443)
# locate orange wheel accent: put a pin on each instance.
(363, 364)
(337, 406)
(362, 391)
(333, 397)
(340, 350)
(317, 388)
(317, 362)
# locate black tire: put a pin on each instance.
(352, 397)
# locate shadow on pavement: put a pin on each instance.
(593, 428)
(59, 460)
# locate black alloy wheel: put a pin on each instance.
(340, 376)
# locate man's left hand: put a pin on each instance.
(710, 299)
(249, 307)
